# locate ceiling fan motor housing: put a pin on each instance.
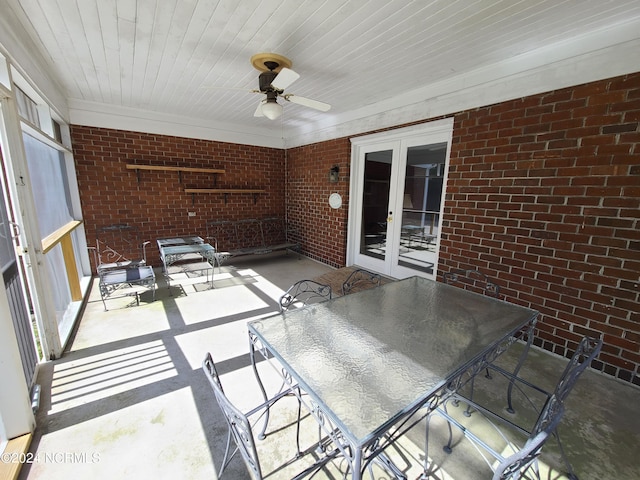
(265, 80)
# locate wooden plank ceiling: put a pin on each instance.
(191, 57)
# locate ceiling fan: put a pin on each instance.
(276, 75)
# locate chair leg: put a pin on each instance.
(571, 474)
(227, 458)
(252, 355)
(320, 449)
(521, 359)
(102, 296)
(298, 453)
(467, 412)
(448, 448)
(426, 473)
(389, 466)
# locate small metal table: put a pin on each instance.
(175, 241)
(177, 249)
(370, 360)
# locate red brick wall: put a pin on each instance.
(323, 230)
(544, 195)
(157, 203)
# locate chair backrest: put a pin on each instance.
(587, 350)
(222, 235)
(119, 246)
(304, 292)
(360, 279)
(239, 425)
(472, 280)
(517, 465)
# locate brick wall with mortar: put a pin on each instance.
(543, 194)
(157, 203)
(323, 229)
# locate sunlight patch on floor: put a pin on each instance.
(96, 377)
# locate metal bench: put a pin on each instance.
(249, 237)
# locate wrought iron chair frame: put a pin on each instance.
(554, 401)
(478, 282)
(304, 292)
(518, 465)
(472, 280)
(240, 429)
(358, 277)
(116, 270)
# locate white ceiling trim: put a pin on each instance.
(137, 120)
(529, 74)
(579, 60)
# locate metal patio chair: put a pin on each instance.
(509, 461)
(360, 279)
(472, 280)
(121, 262)
(240, 429)
(304, 292)
(547, 405)
(478, 282)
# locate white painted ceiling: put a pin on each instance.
(187, 61)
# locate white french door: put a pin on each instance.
(397, 195)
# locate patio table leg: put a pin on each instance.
(252, 354)
(521, 359)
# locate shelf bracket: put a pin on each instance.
(225, 198)
(138, 175)
(193, 199)
(180, 176)
(255, 198)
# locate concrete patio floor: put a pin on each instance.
(129, 398)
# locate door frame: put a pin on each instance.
(391, 140)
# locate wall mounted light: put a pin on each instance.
(333, 174)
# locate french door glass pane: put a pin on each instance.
(421, 206)
(375, 202)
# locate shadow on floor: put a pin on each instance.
(129, 399)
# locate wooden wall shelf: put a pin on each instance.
(193, 191)
(167, 168)
(224, 191)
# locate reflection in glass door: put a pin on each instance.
(375, 203)
(421, 200)
(397, 185)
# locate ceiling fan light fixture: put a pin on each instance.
(271, 109)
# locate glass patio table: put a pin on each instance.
(368, 361)
(173, 250)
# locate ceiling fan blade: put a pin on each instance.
(285, 78)
(258, 112)
(307, 102)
